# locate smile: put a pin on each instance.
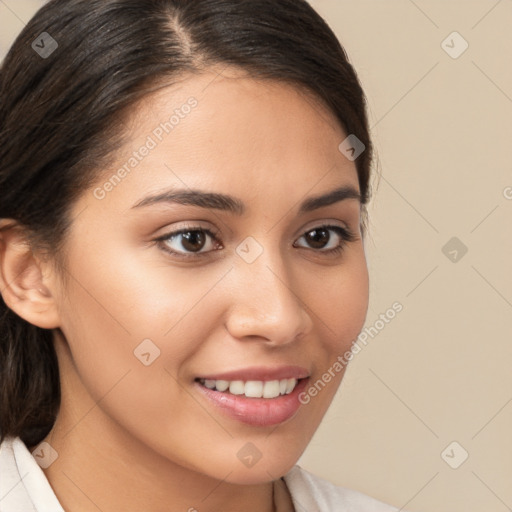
(259, 396)
(252, 388)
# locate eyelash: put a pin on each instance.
(345, 234)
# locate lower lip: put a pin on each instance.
(260, 412)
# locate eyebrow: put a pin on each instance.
(234, 205)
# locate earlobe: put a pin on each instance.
(23, 285)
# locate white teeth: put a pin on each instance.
(252, 388)
(271, 389)
(290, 385)
(237, 387)
(221, 385)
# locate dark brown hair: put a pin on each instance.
(61, 111)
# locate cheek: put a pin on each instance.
(342, 307)
(128, 292)
(121, 312)
(127, 314)
(342, 303)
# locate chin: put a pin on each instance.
(259, 460)
(259, 473)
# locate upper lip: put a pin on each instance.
(263, 373)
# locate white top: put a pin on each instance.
(25, 488)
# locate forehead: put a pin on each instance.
(230, 131)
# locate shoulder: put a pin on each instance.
(23, 485)
(311, 493)
(12, 489)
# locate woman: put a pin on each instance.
(183, 198)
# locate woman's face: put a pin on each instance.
(254, 289)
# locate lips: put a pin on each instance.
(261, 373)
(258, 396)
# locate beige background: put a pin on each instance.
(440, 370)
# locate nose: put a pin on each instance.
(266, 303)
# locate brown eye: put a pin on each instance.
(189, 242)
(318, 238)
(196, 241)
(193, 240)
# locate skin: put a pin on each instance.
(134, 437)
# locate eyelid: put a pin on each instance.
(212, 232)
(315, 224)
(343, 231)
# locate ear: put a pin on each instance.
(24, 285)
